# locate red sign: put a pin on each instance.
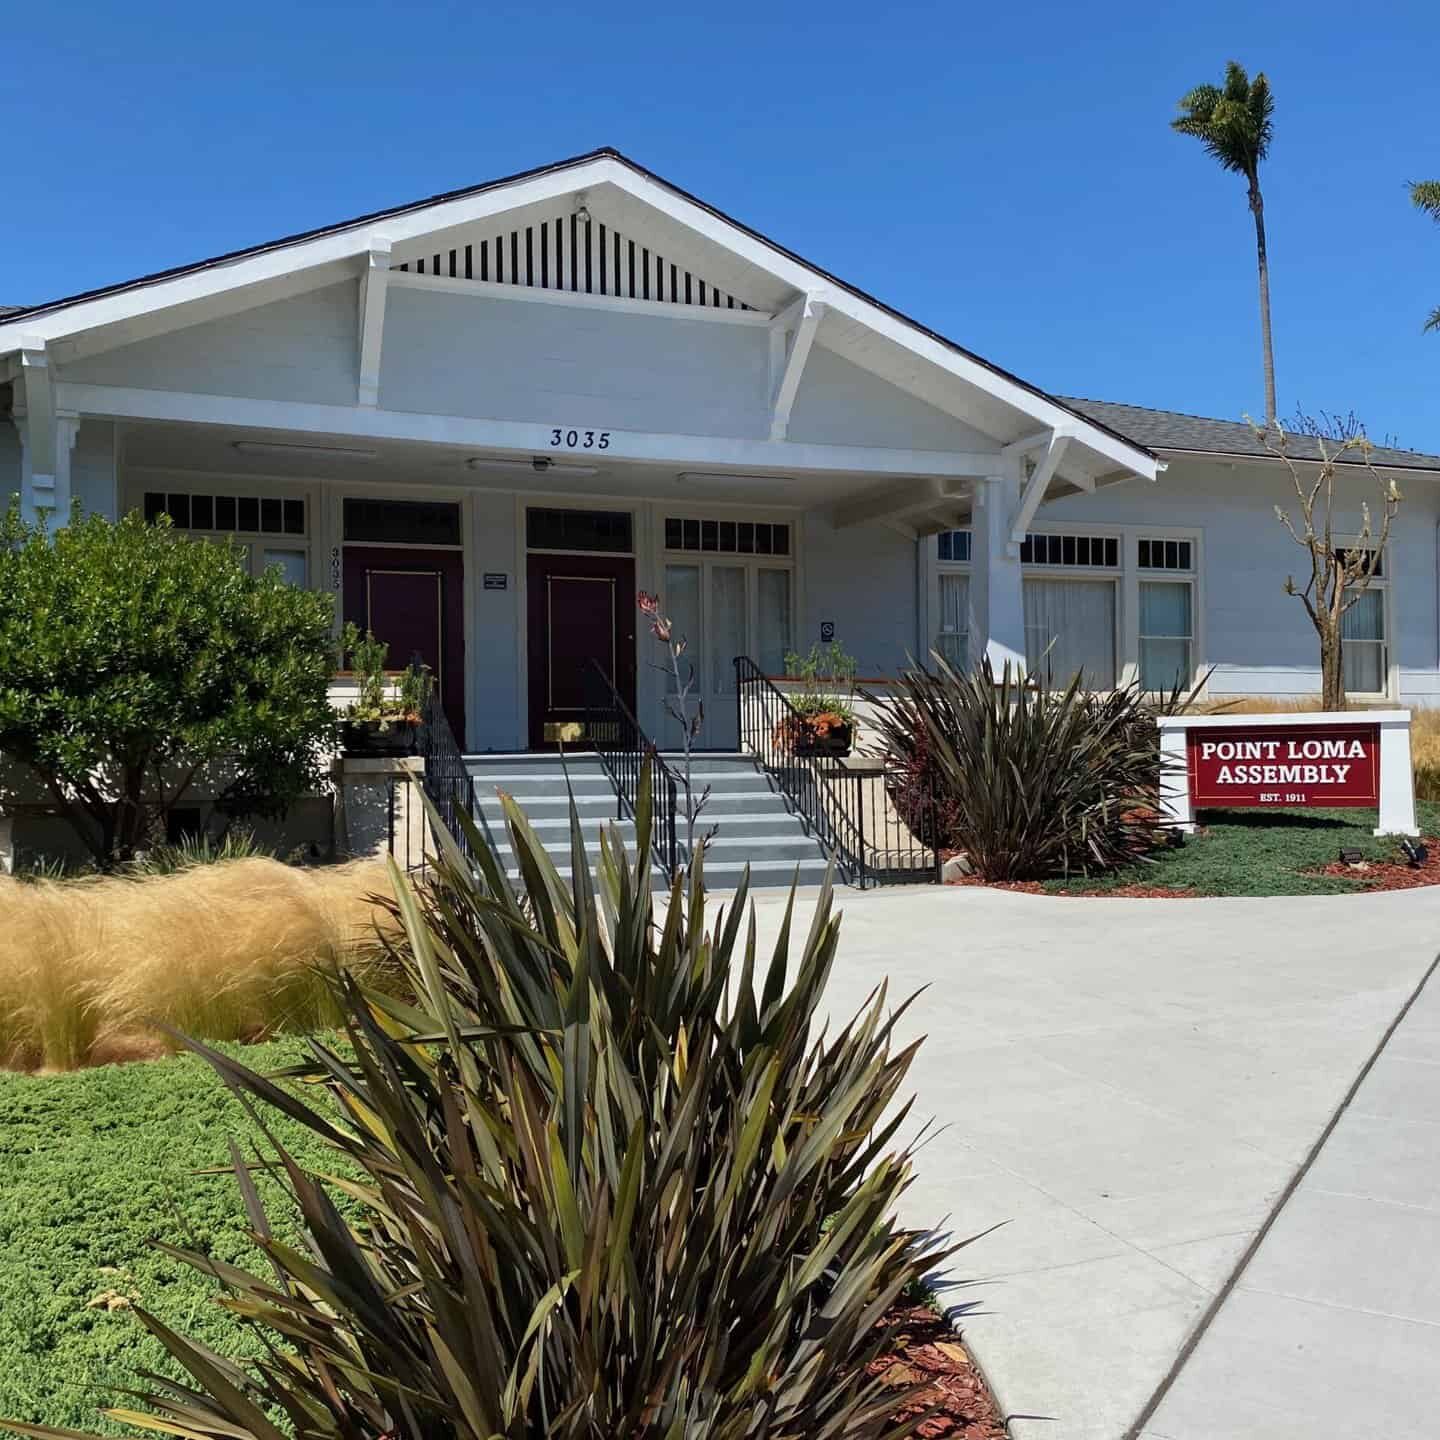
(1325, 765)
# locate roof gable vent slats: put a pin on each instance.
(566, 254)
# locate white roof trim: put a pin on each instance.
(354, 240)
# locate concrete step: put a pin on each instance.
(555, 829)
(722, 850)
(542, 766)
(755, 804)
(598, 783)
(725, 875)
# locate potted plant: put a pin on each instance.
(385, 717)
(821, 719)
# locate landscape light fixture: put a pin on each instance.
(1352, 857)
(1415, 854)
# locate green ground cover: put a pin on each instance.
(94, 1165)
(1252, 852)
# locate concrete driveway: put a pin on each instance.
(1128, 1087)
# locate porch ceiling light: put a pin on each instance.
(280, 447)
(535, 465)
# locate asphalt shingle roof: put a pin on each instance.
(1174, 430)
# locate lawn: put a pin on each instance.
(95, 1164)
(1252, 852)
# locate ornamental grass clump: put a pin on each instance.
(1028, 782)
(606, 1177)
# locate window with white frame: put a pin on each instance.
(1070, 618)
(952, 630)
(1167, 634)
(272, 530)
(739, 600)
(1364, 641)
(1166, 620)
(1110, 605)
(1070, 627)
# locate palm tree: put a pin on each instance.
(1426, 195)
(1234, 124)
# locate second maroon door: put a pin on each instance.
(414, 601)
(582, 608)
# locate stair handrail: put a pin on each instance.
(766, 724)
(623, 749)
(446, 779)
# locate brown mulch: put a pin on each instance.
(928, 1350)
(1390, 874)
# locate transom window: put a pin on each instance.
(726, 537)
(227, 514)
(955, 546)
(1165, 554)
(269, 529)
(604, 530)
(401, 522)
(1090, 551)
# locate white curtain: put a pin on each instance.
(682, 605)
(727, 625)
(772, 622)
(1165, 635)
(1362, 644)
(953, 640)
(1070, 626)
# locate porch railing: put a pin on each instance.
(862, 810)
(448, 785)
(623, 748)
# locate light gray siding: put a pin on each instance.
(497, 628)
(301, 349)
(92, 469)
(568, 366)
(9, 463)
(1258, 638)
(864, 579)
(839, 403)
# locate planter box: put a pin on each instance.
(831, 746)
(397, 736)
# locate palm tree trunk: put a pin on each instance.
(1257, 208)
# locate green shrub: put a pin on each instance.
(1029, 783)
(599, 1159)
(132, 661)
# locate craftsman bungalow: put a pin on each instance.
(485, 420)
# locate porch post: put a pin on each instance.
(47, 441)
(1000, 604)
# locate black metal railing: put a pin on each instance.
(448, 785)
(861, 809)
(623, 749)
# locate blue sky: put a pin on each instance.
(1004, 173)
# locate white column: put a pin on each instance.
(1397, 778)
(1000, 602)
(1176, 805)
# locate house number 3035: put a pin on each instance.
(579, 439)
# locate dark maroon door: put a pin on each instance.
(414, 601)
(582, 608)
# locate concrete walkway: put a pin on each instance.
(1333, 1326)
(1128, 1087)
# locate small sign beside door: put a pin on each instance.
(827, 631)
(496, 580)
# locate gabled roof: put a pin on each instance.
(1132, 455)
(1174, 430)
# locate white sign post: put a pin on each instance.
(1315, 758)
